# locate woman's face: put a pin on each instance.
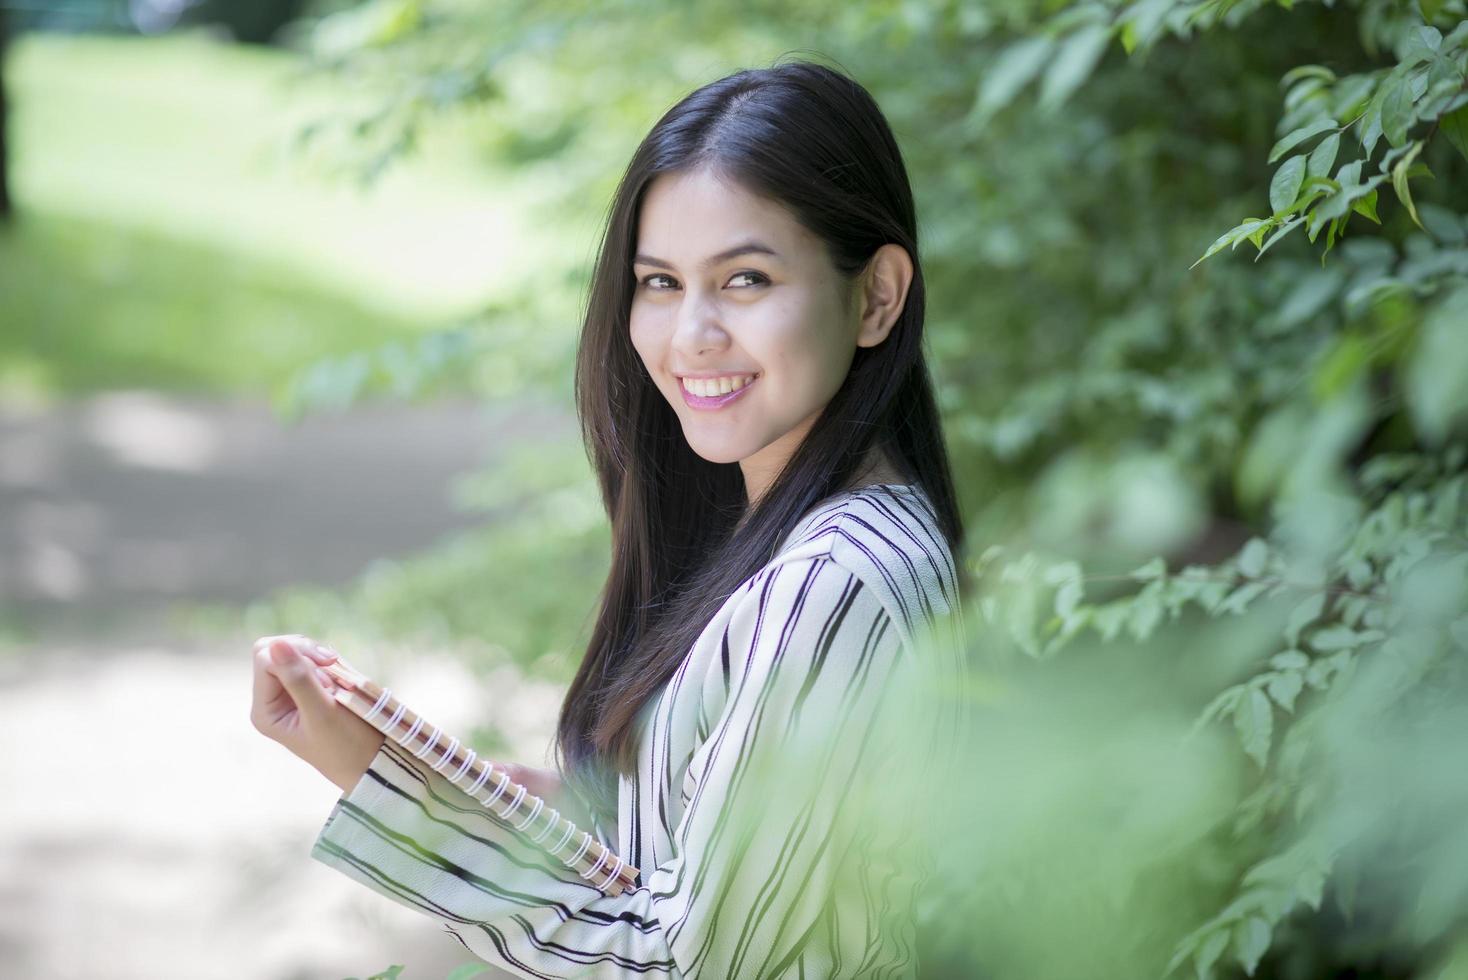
(778, 319)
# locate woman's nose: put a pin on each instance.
(698, 329)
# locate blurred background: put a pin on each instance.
(289, 296)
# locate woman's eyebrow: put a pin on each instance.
(744, 248)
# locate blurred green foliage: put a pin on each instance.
(90, 304)
(1217, 507)
(168, 234)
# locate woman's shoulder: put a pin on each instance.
(885, 536)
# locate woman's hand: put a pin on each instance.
(294, 704)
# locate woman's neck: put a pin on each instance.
(878, 468)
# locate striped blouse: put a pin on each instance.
(764, 847)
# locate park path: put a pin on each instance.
(147, 831)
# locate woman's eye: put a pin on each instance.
(648, 281)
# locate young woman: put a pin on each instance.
(754, 718)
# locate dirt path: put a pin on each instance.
(147, 830)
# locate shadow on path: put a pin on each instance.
(153, 833)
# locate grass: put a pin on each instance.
(87, 305)
(169, 236)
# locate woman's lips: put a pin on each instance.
(715, 401)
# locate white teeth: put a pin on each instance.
(711, 387)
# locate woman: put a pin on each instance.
(746, 726)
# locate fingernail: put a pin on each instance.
(280, 653)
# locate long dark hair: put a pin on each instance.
(814, 140)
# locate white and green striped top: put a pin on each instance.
(778, 810)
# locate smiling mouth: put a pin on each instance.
(709, 393)
(714, 387)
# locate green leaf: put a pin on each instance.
(1141, 22)
(1254, 722)
(1366, 206)
(1371, 125)
(1340, 203)
(1251, 941)
(1303, 615)
(1314, 222)
(1154, 568)
(1067, 598)
(1211, 595)
(1290, 660)
(1322, 158)
(1209, 953)
(1341, 638)
(1073, 64)
(1396, 110)
(391, 973)
(1240, 598)
(1320, 671)
(1279, 233)
(1252, 557)
(1286, 184)
(1421, 43)
(1319, 184)
(1336, 224)
(1146, 614)
(467, 971)
(1128, 37)
(1110, 618)
(1232, 237)
(1015, 67)
(1399, 181)
(1226, 701)
(1310, 886)
(1307, 71)
(1293, 139)
(1284, 688)
(1454, 126)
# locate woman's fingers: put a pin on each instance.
(319, 652)
(300, 677)
(270, 704)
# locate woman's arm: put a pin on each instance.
(293, 704)
(749, 888)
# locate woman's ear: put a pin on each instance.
(882, 286)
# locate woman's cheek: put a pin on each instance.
(644, 342)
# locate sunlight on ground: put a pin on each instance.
(143, 429)
(176, 839)
(190, 137)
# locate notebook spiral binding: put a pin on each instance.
(576, 848)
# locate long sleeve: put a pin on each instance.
(759, 850)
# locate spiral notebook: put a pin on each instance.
(484, 781)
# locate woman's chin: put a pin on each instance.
(718, 452)
(718, 457)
